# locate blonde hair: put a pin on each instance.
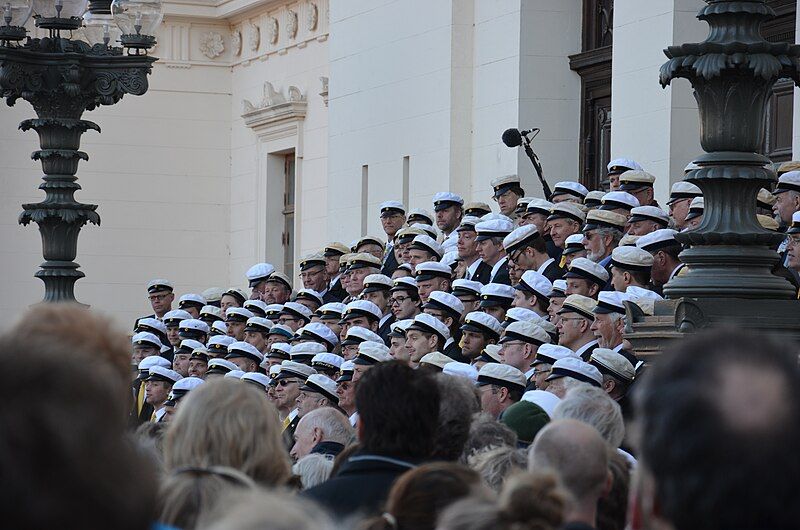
(224, 435)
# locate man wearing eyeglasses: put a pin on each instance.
(314, 275)
(393, 217)
(161, 297)
(404, 300)
(575, 326)
(287, 389)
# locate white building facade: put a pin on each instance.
(273, 127)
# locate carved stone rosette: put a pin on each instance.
(732, 73)
(61, 79)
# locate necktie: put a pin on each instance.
(140, 399)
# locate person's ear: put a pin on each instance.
(626, 277)
(433, 342)
(448, 321)
(316, 435)
(593, 290)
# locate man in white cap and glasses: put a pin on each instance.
(575, 326)
(161, 295)
(393, 217)
(499, 386)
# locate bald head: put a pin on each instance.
(576, 453)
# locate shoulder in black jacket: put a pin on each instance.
(361, 486)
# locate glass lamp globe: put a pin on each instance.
(15, 12)
(59, 8)
(100, 28)
(137, 17)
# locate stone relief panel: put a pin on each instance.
(211, 44)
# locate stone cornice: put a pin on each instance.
(276, 115)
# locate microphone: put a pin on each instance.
(513, 137)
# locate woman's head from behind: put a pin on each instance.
(226, 423)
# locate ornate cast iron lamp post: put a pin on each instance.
(61, 78)
(732, 73)
(730, 259)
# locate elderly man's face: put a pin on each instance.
(161, 301)
(371, 248)
(315, 278)
(561, 229)
(507, 202)
(571, 328)
(642, 228)
(678, 211)
(392, 222)
(276, 293)
(305, 438)
(605, 330)
(357, 278)
(786, 204)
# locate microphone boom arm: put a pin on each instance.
(526, 142)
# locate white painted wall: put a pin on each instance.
(159, 173)
(256, 184)
(659, 128)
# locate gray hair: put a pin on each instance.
(616, 235)
(495, 466)
(487, 433)
(459, 401)
(334, 425)
(259, 509)
(595, 407)
(313, 469)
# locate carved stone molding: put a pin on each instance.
(236, 42)
(312, 17)
(291, 24)
(277, 114)
(272, 30)
(324, 92)
(211, 44)
(253, 37)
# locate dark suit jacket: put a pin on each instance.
(336, 290)
(482, 273)
(553, 272)
(454, 351)
(386, 328)
(134, 419)
(361, 486)
(502, 275)
(288, 433)
(331, 296)
(389, 264)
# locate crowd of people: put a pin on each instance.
(466, 371)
